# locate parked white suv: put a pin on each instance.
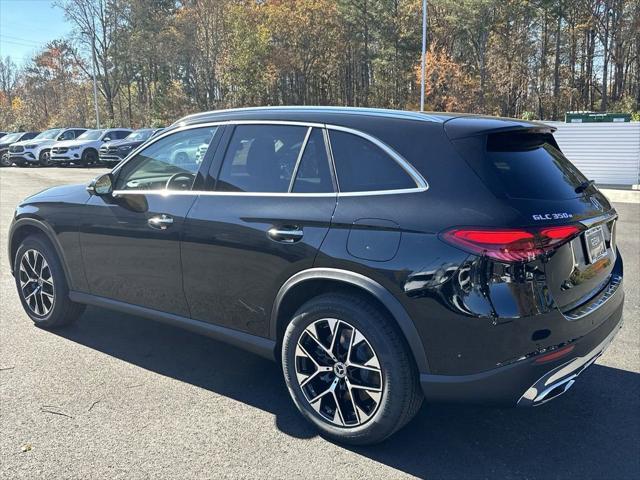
(84, 149)
(36, 150)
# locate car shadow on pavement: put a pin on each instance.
(591, 432)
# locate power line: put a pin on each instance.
(19, 39)
(20, 44)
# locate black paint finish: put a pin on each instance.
(232, 268)
(221, 270)
(129, 261)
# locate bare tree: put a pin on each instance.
(98, 23)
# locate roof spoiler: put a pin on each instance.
(471, 126)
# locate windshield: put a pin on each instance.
(48, 134)
(139, 135)
(91, 135)
(12, 137)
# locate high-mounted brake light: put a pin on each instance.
(510, 245)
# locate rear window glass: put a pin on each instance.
(362, 166)
(530, 166)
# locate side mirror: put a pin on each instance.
(106, 139)
(102, 185)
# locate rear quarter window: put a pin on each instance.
(362, 166)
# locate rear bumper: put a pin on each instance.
(527, 383)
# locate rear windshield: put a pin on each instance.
(530, 165)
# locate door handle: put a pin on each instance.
(285, 234)
(160, 222)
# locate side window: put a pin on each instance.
(313, 174)
(77, 133)
(362, 166)
(120, 134)
(261, 158)
(171, 163)
(68, 135)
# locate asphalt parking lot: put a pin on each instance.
(116, 396)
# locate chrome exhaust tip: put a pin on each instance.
(560, 379)
(535, 396)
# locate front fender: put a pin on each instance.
(21, 228)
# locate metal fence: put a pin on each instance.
(608, 153)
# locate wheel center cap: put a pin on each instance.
(340, 370)
(40, 282)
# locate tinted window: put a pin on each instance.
(170, 163)
(261, 158)
(67, 135)
(529, 166)
(120, 134)
(313, 174)
(362, 166)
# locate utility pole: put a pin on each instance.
(93, 71)
(424, 53)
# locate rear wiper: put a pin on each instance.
(584, 185)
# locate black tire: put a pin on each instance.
(62, 310)
(4, 160)
(43, 158)
(400, 396)
(89, 157)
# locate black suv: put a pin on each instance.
(380, 256)
(113, 152)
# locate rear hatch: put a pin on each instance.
(522, 165)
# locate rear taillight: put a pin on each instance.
(510, 245)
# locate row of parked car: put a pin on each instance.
(65, 146)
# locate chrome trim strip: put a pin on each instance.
(590, 222)
(332, 163)
(421, 183)
(299, 159)
(603, 297)
(167, 193)
(410, 169)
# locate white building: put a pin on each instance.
(608, 153)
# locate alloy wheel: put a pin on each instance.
(44, 158)
(36, 283)
(339, 372)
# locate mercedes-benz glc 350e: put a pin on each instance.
(37, 151)
(380, 256)
(84, 149)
